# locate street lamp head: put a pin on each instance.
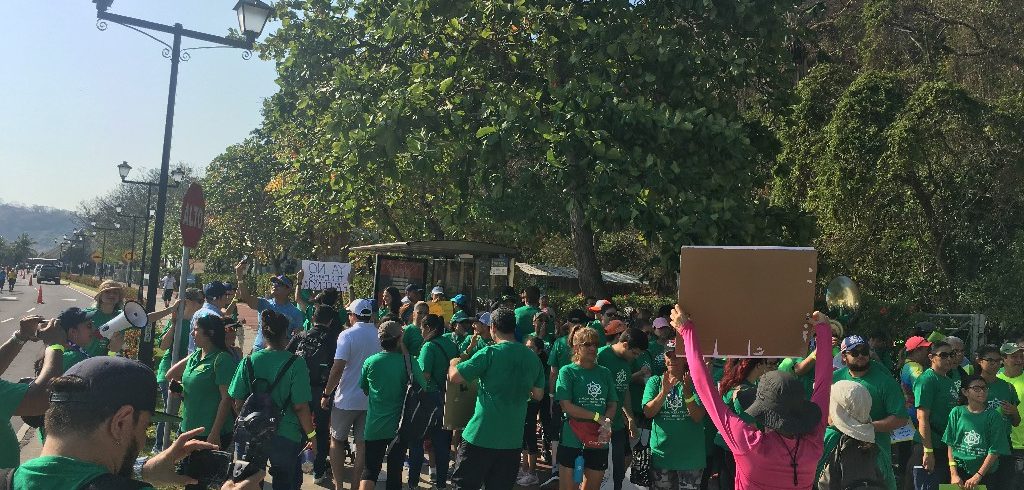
(118, 209)
(117, 225)
(252, 17)
(94, 224)
(177, 175)
(65, 237)
(102, 5)
(124, 169)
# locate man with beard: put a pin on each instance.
(97, 420)
(887, 413)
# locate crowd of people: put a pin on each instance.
(591, 393)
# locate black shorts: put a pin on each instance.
(593, 459)
(530, 427)
(167, 294)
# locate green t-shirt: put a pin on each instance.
(292, 390)
(559, 355)
(621, 372)
(434, 360)
(636, 389)
(1016, 433)
(733, 402)
(73, 356)
(202, 380)
(1000, 391)
(57, 473)
(886, 396)
(590, 389)
(168, 358)
(788, 365)
(938, 394)
(601, 338)
(98, 346)
(456, 338)
(973, 436)
(507, 371)
(11, 395)
(673, 432)
(384, 380)
(413, 339)
(524, 320)
(657, 359)
(480, 344)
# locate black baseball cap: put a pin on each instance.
(413, 287)
(74, 316)
(114, 382)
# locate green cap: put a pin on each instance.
(461, 316)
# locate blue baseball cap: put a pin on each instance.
(851, 342)
(459, 299)
(214, 289)
(282, 280)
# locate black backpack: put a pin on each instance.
(106, 481)
(317, 348)
(258, 419)
(852, 464)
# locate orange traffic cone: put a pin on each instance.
(39, 300)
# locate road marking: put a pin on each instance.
(7, 320)
(70, 299)
(30, 310)
(10, 298)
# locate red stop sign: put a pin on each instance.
(193, 211)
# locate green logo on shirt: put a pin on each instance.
(593, 389)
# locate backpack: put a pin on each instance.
(258, 419)
(317, 349)
(106, 481)
(852, 464)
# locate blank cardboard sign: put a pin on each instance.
(749, 301)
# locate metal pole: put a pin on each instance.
(132, 261)
(145, 242)
(179, 332)
(103, 256)
(146, 343)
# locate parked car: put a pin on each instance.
(48, 273)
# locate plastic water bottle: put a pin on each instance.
(307, 461)
(577, 470)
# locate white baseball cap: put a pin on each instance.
(437, 290)
(360, 307)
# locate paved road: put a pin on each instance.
(21, 302)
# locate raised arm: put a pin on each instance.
(730, 425)
(822, 368)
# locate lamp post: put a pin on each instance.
(177, 176)
(252, 17)
(103, 249)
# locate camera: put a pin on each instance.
(211, 468)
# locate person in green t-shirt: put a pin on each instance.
(1013, 373)
(481, 336)
(589, 399)
(1002, 397)
(412, 337)
(384, 378)
(677, 418)
(109, 302)
(935, 395)
(205, 376)
(193, 302)
(887, 413)
(618, 358)
(605, 312)
(525, 314)
(390, 303)
(98, 416)
(509, 374)
(461, 327)
(881, 350)
(559, 355)
(435, 358)
(975, 437)
(291, 394)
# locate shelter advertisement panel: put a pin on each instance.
(398, 272)
(749, 301)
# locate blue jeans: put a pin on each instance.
(441, 440)
(282, 454)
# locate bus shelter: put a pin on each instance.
(474, 269)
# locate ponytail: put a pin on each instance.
(275, 325)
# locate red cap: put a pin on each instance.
(614, 327)
(599, 304)
(916, 342)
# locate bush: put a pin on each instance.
(130, 293)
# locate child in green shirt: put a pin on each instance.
(975, 437)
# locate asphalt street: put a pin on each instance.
(21, 302)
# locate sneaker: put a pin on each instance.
(325, 481)
(523, 479)
(431, 471)
(552, 479)
(530, 480)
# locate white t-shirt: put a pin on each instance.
(355, 345)
(168, 282)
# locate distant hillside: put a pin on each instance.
(41, 223)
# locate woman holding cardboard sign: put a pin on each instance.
(785, 453)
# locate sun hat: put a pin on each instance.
(849, 409)
(113, 382)
(661, 322)
(782, 405)
(917, 342)
(851, 342)
(614, 327)
(1009, 348)
(601, 303)
(109, 285)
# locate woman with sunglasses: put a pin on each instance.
(976, 437)
(934, 397)
(1001, 396)
(588, 397)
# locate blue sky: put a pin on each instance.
(77, 101)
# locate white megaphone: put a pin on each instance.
(133, 315)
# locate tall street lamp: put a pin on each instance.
(252, 17)
(120, 212)
(103, 250)
(177, 176)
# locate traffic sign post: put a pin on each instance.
(128, 256)
(96, 256)
(193, 214)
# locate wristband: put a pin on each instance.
(692, 398)
(57, 347)
(111, 353)
(597, 417)
(928, 450)
(311, 434)
(952, 464)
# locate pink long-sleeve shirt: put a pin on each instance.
(763, 459)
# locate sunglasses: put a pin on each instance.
(978, 388)
(859, 352)
(991, 359)
(611, 313)
(943, 355)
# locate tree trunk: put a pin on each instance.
(583, 249)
